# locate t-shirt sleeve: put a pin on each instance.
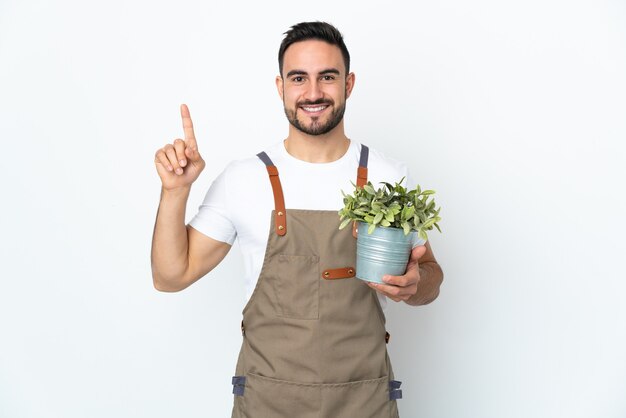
(212, 217)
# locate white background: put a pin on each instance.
(513, 111)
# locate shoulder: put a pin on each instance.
(253, 162)
(244, 169)
(383, 159)
(382, 167)
(238, 178)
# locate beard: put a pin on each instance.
(316, 127)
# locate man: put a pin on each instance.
(313, 343)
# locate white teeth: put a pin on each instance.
(314, 109)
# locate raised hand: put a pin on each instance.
(179, 164)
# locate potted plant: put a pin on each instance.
(390, 222)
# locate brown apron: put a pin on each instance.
(313, 335)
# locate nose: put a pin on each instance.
(313, 91)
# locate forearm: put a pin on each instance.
(170, 245)
(431, 277)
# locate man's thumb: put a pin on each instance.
(192, 154)
(419, 251)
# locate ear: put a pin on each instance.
(279, 86)
(349, 84)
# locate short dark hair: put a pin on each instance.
(313, 30)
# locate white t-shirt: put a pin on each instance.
(239, 203)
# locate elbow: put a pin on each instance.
(168, 285)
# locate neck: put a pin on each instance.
(317, 148)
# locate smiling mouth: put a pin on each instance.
(314, 109)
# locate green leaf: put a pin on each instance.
(345, 223)
(405, 212)
(371, 228)
(389, 216)
(385, 222)
(369, 189)
(406, 227)
(428, 224)
(378, 218)
(410, 212)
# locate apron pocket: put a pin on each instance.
(266, 397)
(272, 398)
(363, 399)
(296, 284)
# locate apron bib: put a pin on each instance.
(313, 336)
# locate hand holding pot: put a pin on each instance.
(403, 287)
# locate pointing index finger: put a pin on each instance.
(190, 136)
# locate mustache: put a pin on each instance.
(316, 102)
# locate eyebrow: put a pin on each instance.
(323, 72)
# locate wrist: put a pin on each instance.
(428, 286)
(176, 192)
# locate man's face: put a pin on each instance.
(314, 86)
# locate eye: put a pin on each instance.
(328, 77)
(297, 79)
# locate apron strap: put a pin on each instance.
(280, 217)
(280, 214)
(361, 175)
